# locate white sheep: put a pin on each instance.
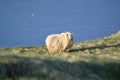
(59, 42)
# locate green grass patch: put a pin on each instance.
(90, 60)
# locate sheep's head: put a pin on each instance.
(70, 39)
(69, 35)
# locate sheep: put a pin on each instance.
(59, 42)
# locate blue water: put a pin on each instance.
(35, 35)
(28, 22)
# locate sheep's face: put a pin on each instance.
(70, 39)
(70, 36)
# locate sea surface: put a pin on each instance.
(13, 36)
(29, 22)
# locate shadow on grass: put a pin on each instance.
(94, 47)
(23, 68)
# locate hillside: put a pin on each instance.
(90, 60)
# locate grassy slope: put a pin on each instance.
(90, 60)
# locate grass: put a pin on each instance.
(90, 60)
